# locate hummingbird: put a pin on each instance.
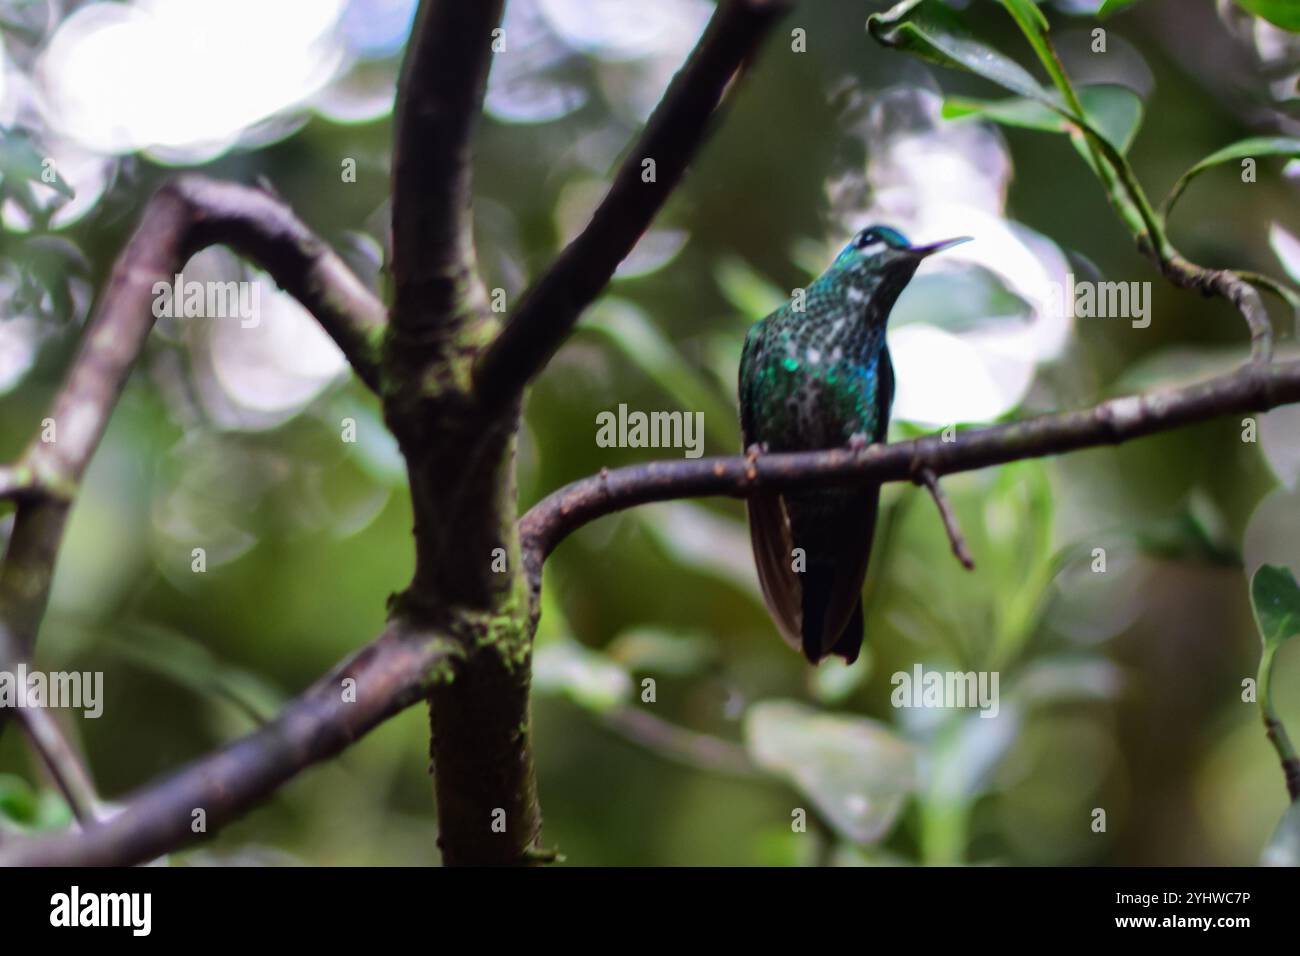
(816, 374)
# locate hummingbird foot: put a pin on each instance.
(756, 451)
(858, 441)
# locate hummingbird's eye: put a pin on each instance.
(870, 242)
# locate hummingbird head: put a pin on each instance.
(879, 251)
(877, 265)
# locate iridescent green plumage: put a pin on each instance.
(816, 374)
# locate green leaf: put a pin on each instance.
(855, 771)
(588, 678)
(24, 810)
(704, 540)
(1194, 534)
(1034, 26)
(1017, 111)
(656, 650)
(1114, 111)
(1026, 14)
(630, 332)
(1280, 13)
(1275, 597)
(932, 31)
(48, 266)
(1057, 680)
(1243, 149)
(21, 162)
(1114, 6)
(753, 294)
(1284, 847)
(189, 664)
(17, 800)
(965, 755)
(834, 681)
(1177, 367)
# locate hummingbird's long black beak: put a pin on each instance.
(922, 251)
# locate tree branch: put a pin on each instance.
(62, 762)
(440, 95)
(1255, 387)
(962, 553)
(80, 412)
(262, 229)
(182, 217)
(671, 138)
(391, 673)
(1226, 283)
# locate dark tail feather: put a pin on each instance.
(850, 642)
(838, 543)
(770, 535)
(818, 584)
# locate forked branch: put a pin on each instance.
(649, 174)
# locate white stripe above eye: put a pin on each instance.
(872, 248)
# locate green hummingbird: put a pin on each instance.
(816, 374)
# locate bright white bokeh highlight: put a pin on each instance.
(631, 51)
(184, 76)
(959, 357)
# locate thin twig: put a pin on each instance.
(927, 477)
(1273, 726)
(1227, 284)
(65, 767)
(686, 747)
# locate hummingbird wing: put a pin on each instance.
(769, 534)
(831, 596)
(769, 525)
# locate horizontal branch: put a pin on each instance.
(1255, 387)
(671, 138)
(391, 673)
